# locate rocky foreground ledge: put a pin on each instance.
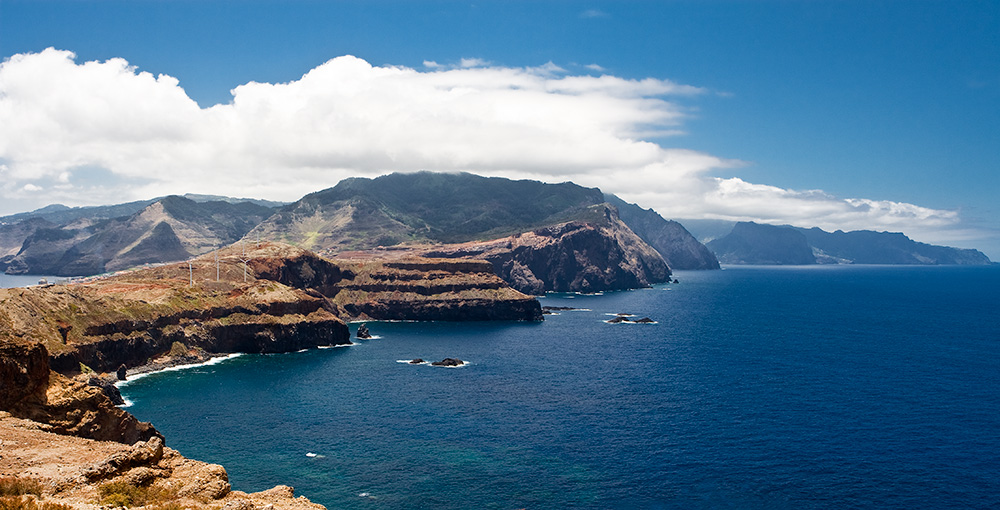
(59, 429)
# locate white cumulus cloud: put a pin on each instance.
(104, 132)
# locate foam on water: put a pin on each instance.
(213, 361)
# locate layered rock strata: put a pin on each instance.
(416, 288)
(577, 256)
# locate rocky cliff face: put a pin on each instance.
(597, 255)
(395, 285)
(75, 472)
(24, 373)
(678, 247)
(415, 288)
(61, 405)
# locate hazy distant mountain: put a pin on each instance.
(867, 247)
(677, 246)
(752, 243)
(707, 230)
(219, 198)
(169, 229)
(60, 214)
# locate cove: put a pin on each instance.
(759, 387)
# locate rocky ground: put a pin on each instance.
(88, 474)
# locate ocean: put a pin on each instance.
(758, 387)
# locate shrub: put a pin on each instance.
(178, 349)
(123, 494)
(29, 503)
(17, 486)
(120, 493)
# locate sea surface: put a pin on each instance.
(828, 387)
(8, 281)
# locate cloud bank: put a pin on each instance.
(105, 132)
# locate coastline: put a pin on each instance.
(155, 367)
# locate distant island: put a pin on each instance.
(754, 243)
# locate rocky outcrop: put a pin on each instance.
(297, 268)
(597, 255)
(61, 404)
(24, 373)
(448, 362)
(678, 247)
(417, 288)
(72, 471)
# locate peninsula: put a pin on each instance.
(66, 443)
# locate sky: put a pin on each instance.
(841, 114)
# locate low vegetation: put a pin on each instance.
(22, 493)
(120, 493)
(29, 503)
(19, 486)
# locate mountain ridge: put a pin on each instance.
(753, 243)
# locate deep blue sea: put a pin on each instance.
(760, 387)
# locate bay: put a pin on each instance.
(758, 387)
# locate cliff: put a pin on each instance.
(41, 469)
(678, 247)
(579, 256)
(417, 288)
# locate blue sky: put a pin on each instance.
(877, 102)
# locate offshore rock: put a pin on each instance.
(363, 332)
(449, 362)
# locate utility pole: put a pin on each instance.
(245, 260)
(216, 263)
(190, 275)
